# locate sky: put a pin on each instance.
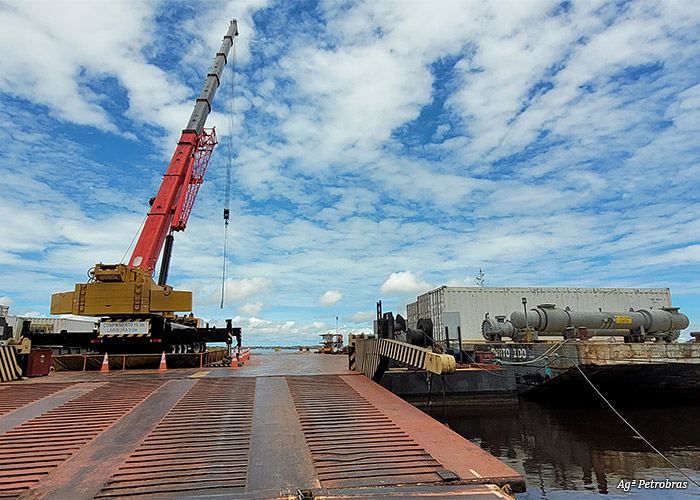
(380, 149)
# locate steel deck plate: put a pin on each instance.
(310, 425)
(15, 396)
(352, 442)
(34, 448)
(202, 443)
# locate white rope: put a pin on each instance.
(633, 429)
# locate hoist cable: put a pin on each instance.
(138, 231)
(223, 270)
(229, 160)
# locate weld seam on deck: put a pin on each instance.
(16, 395)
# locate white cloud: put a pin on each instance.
(236, 290)
(31, 314)
(68, 47)
(331, 297)
(77, 47)
(468, 281)
(261, 332)
(246, 287)
(404, 282)
(361, 317)
(6, 301)
(250, 308)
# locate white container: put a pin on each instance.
(50, 325)
(474, 302)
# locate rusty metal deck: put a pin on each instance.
(265, 430)
(14, 396)
(353, 443)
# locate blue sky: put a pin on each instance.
(381, 149)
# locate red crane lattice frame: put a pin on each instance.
(198, 167)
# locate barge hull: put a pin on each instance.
(625, 370)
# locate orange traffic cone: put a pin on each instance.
(162, 366)
(105, 365)
(234, 361)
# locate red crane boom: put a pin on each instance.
(171, 207)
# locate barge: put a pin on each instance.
(283, 426)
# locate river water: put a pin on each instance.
(572, 452)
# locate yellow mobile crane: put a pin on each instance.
(135, 310)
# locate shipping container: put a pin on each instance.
(50, 325)
(472, 303)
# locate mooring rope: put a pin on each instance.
(632, 427)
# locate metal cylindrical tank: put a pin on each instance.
(472, 303)
(494, 329)
(666, 319)
(547, 318)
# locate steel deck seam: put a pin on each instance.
(279, 455)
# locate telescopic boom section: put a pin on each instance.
(172, 206)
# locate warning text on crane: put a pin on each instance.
(124, 327)
(623, 320)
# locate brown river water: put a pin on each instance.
(570, 451)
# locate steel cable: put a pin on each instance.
(138, 231)
(230, 121)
